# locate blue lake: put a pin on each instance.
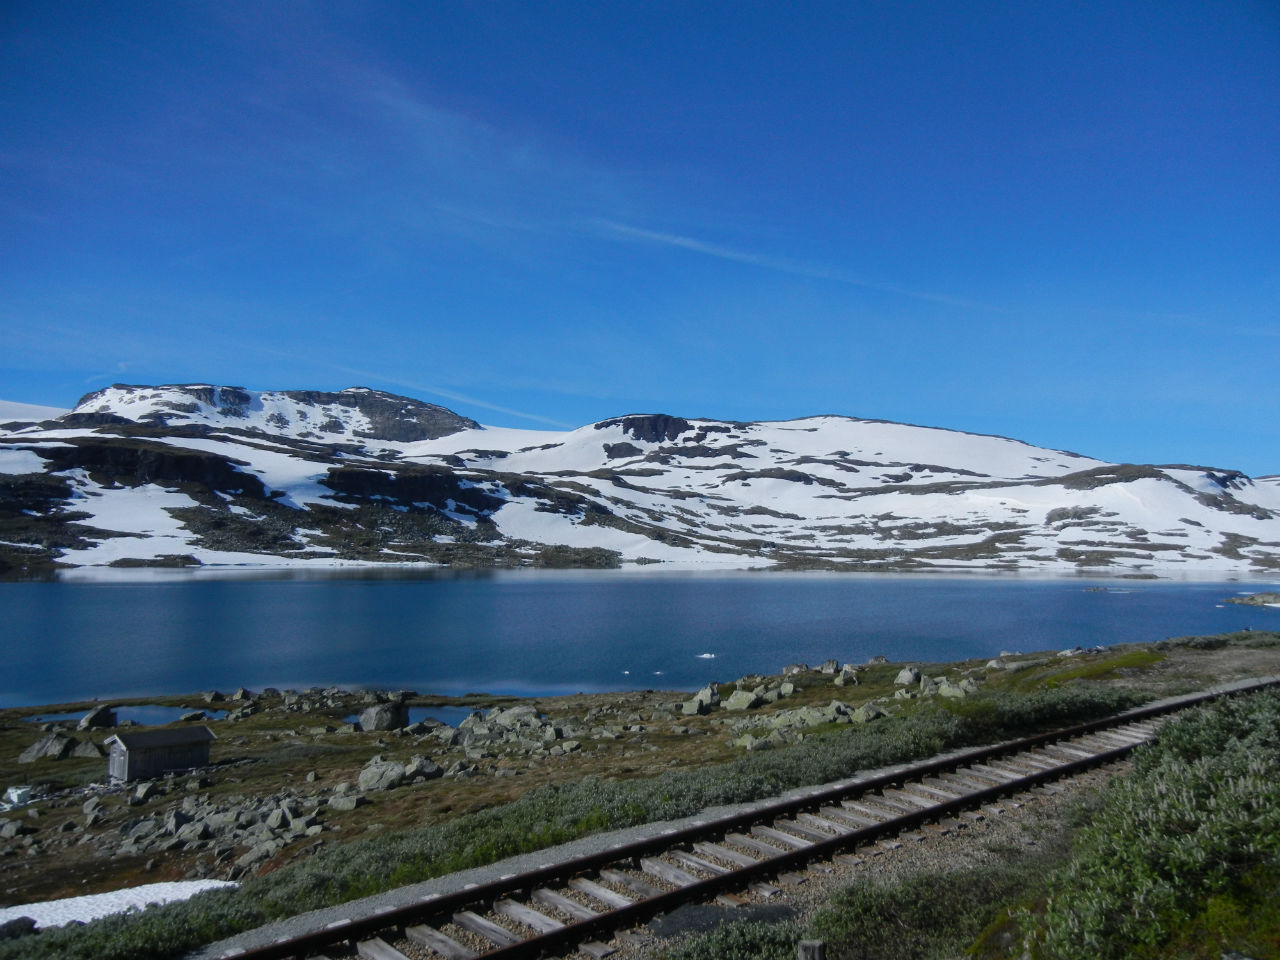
(526, 632)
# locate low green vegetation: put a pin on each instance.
(1178, 860)
(1183, 859)
(556, 813)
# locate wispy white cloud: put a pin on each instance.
(799, 268)
(451, 395)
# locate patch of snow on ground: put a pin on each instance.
(19, 461)
(9, 410)
(55, 913)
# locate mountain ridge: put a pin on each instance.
(187, 474)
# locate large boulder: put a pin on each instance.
(422, 768)
(847, 677)
(53, 746)
(742, 700)
(906, 677)
(97, 718)
(17, 927)
(379, 774)
(384, 716)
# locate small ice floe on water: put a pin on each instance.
(657, 673)
(626, 673)
(706, 656)
(54, 913)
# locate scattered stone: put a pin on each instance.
(195, 716)
(379, 774)
(213, 696)
(829, 666)
(17, 795)
(847, 677)
(794, 668)
(55, 746)
(17, 927)
(347, 801)
(384, 716)
(87, 748)
(868, 712)
(742, 700)
(906, 677)
(422, 768)
(99, 717)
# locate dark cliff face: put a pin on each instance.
(407, 487)
(132, 461)
(651, 428)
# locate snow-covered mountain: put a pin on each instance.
(222, 475)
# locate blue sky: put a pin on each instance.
(1058, 222)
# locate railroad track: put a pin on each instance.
(576, 905)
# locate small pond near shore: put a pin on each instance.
(546, 633)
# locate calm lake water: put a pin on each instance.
(527, 632)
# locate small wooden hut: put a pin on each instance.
(145, 754)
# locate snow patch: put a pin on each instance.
(55, 913)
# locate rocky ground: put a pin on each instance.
(291, 773)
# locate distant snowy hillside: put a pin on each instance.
(221, 475)
(18, 412)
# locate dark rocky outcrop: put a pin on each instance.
(134, 461)
(391, 417)
(651, 428)
(438, 487)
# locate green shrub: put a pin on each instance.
(557, 813)
(1186, 848)
(742, 941)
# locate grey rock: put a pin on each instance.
(742, 700)
(794, 668)
(868, 712)
(347, 801)
(86, 748)
(53, 746)
(384, 716)
(17, 927)
(99, 717)
(381, 774)
(906, 677)
(829, 666)
(847, 677)
(422, 768)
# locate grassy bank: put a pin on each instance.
(560, 812)
(1180, 859)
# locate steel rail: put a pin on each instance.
(356, 929)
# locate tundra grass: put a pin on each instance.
(557, 813)
(1179, 860)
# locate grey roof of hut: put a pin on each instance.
(170, 737)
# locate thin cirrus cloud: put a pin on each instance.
(780, 264)
(453, 396)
